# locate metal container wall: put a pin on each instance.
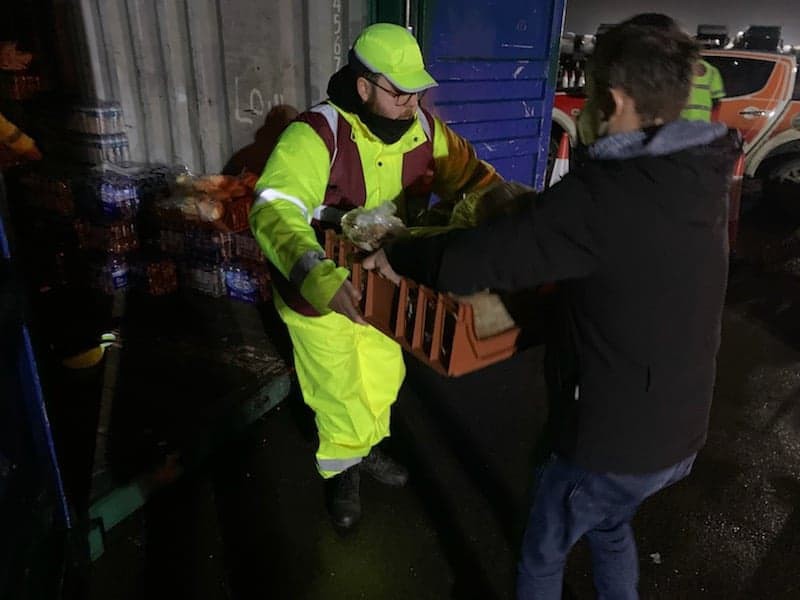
(197, 77)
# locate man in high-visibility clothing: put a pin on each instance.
(77, 340)
(369, 143)
(706, 94)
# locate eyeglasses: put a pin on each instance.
(400, 98)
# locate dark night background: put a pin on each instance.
(583, 16)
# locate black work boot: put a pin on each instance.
(344, 502)
(383, 468)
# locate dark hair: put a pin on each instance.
(654, 20)
(653, 65)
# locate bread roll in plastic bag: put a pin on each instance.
(369, 228)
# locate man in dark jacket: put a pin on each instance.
(637, 239)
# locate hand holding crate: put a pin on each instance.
(435, 327)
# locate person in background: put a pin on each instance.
(11, 136)
(708, 90)
(636, 238)
(369, 143)
(79, 341)
(17, 142)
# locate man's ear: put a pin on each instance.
(362, 86)
(620, 100)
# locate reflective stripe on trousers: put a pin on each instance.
(336, 465)
(349, 375)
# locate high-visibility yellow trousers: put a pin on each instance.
(349, 375)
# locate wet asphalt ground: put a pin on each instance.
(252, 523)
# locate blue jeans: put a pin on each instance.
(571, 502)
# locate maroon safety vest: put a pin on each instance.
(346, 188)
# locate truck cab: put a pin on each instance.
(763, 102)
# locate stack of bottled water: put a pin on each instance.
(99, 132)
(109, 273)
(247, 283)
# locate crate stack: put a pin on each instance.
(86, 194)
(109, 200)
(203, 225)
(97, 133)
(247, 276)
(91, 217)
(152, 227)
(48, 204)
(21, 81)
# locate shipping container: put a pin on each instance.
(201, 84)
(197, 78)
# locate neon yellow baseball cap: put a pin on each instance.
(393, 52)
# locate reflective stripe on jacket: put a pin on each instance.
(707, 87)
(312, 171)
(12, 136)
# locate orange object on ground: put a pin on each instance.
(561, 165)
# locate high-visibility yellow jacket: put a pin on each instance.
(707, 87)
(310, 175)
(13, 137)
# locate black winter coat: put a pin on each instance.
(640, 248)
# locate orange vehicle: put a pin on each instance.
(762, 101)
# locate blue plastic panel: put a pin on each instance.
(26, 442)
(498, 130)
(488, 111)
(495, 62)
(487, 70)
(494, 29)
(471, 91)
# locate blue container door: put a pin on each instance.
(496, 64)
(32, 500)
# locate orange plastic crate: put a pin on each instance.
(432, 326)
